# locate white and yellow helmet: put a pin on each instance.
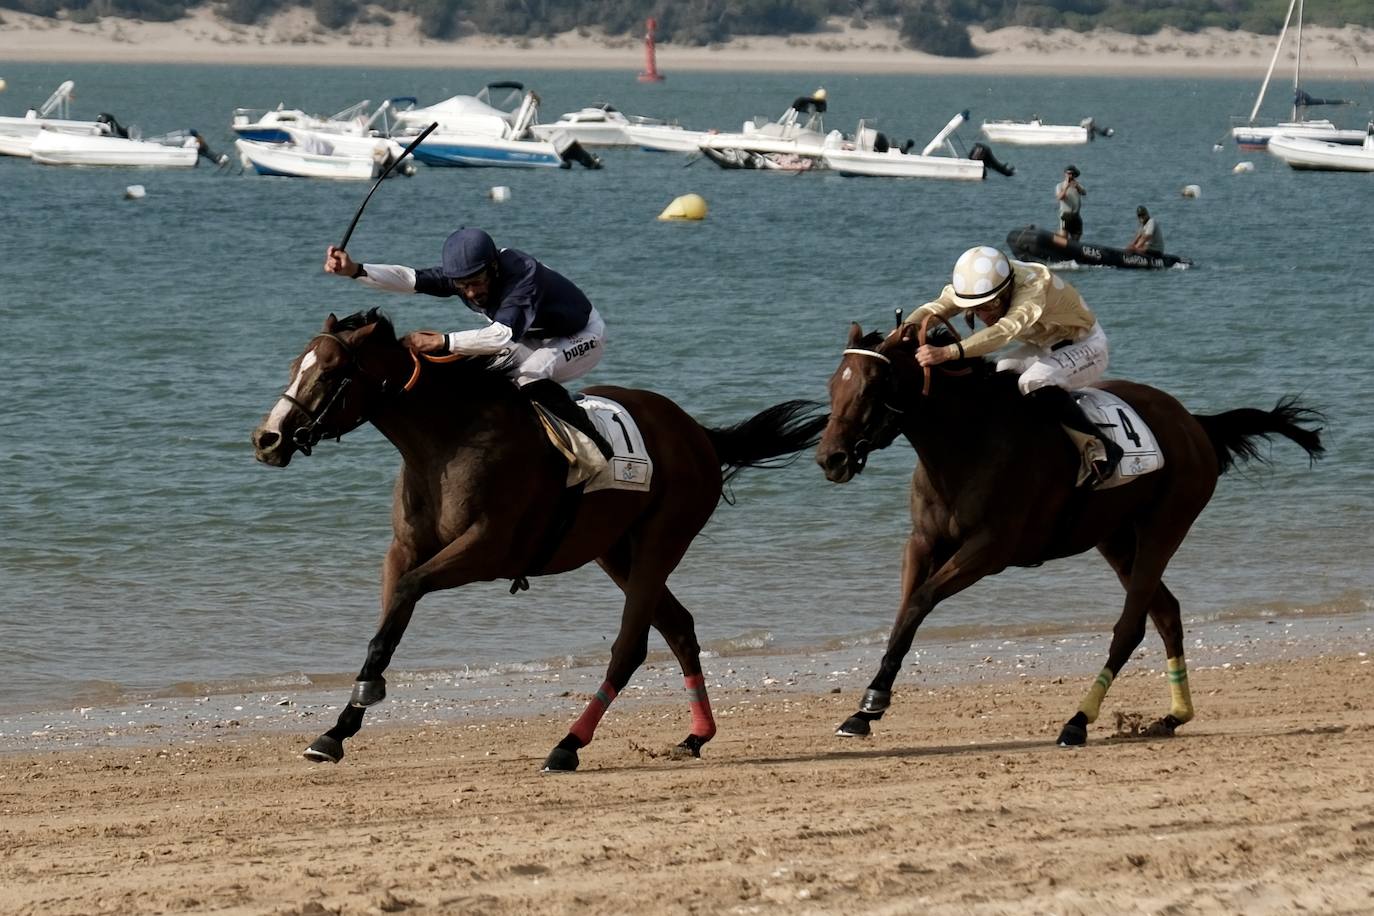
(980, 275)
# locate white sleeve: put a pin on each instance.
(492, 338)
(391, 277)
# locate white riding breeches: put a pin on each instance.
(1078, 365)
(559, 358)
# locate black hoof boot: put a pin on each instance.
(854, 727)
(690, 747)
(368, 693)
(560, 760)
(325, 749)
(1075, 732)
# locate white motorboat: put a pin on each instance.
(272, 126)
(599, 125)
(1325, 156)
(17, 134)
(666, 138)
(52, 147)
(291, 161)
(321, 154)
(470, 114)
(512, 147)
(871, 154)
(1036, 132)
(789, 136)
(1251, 135)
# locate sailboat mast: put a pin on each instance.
(1274, 60)
(1297, 67)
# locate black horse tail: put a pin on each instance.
(771, 439)
(1235, 432)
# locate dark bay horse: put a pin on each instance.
(994, 487)
(479, 492)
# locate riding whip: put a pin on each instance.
(387, 171)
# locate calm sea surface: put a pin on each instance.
(144, 552)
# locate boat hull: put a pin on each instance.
(666, 138)
(1256, 137)
(1320, 156)
(896, 164)
(17, 134)
(56, 148)
(463, 151)
(1030, 243)
(1024, 133)
(282, 160)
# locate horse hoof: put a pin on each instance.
(1073, 736)
(690, 747)
(1162, 728)
(854, 727)
(560, 760)
(368, 693)
(324, 749)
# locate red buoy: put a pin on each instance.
(650, 74)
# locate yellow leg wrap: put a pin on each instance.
(1182, 706)
(1092, 703)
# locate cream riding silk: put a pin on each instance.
(1044, 311)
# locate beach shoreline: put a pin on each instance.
(959, 803)
(303, 705)
(294, 39)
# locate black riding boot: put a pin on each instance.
(1061, 406)
(548, 393)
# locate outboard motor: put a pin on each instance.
(111, 125)
(1094, 130)
(572, 151)
(203, 150)
(906, 147)
(981, 152)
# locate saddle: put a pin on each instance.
(552, 401)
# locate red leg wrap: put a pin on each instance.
(703, 723)
(586, 723)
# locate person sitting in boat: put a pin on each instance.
(1070, 193)
(1148, 238)
(542, 329)
(1059, 343)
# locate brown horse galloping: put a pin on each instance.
(479, 492)
(994, 488)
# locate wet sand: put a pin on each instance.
(959, 803)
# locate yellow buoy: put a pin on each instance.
(688, 206)
(2, 84)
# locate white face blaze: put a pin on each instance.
(847, 374)
(283, 406)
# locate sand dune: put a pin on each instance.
(295, 38)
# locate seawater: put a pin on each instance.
(144, 553)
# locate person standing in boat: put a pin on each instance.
(1149, 239)
(542, 330)
(1059, 344)
(1070, 193)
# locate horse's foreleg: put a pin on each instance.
(402, 587)
(921, 591)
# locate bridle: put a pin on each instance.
(308, 436)
(891, 425)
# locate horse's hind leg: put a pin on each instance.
(641, 570)
(1145, 593)
(679, 630)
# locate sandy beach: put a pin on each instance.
(294, 38)
(960, 803)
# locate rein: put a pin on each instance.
(921, 341)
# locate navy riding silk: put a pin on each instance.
(525, 296)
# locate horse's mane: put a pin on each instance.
(465, 367)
